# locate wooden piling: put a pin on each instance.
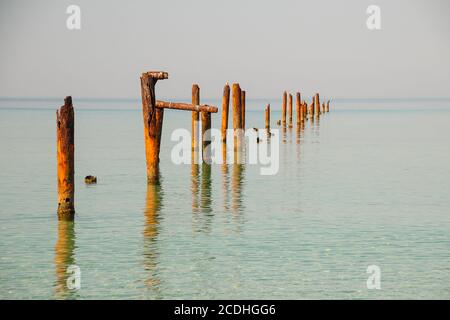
(153, 119)
(65, 154)
(242, 109)
(195, 117)
(283, 109)
(323, 107)
(225, 107)
(328, 106)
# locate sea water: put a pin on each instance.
(368, 184)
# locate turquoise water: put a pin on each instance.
(368, 184)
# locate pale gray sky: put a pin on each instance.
(267, 46)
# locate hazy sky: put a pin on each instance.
(266, 46)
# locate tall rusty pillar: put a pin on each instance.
(65, 155)
(153, 120)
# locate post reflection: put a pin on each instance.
(202, 211)
(153, 206)
(237, 181)
(299, 131)
(317, 126)
(195, 176)
(64, 257)
(225, 178)
(206, 197)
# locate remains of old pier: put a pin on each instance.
(153, 118)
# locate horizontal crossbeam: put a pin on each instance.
(159, 75)
(186, 106)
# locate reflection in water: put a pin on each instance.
(201, 209)
(205, 196)
(299, 134)
(195, 175)
(64, 257)
(316, 126)
(237, 180)
(225, 186)
(284, 133)
(225, 178)
(153, 206)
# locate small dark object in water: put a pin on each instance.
(279, 123)
(256, 129)
(257, 139)
(90, 179)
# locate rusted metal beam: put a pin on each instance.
(186, 106)
(157, 75)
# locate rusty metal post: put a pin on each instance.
(65, 154)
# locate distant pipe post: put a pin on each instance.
(298, 108)
(317, 104)
(243, 109)
(206, 134)
(225, 107)
(65, 154)
(268, 118)
(237, 113)
(195, 119)
(283, 109)
(290, 110)
(305, 109)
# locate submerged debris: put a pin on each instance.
(90, 179)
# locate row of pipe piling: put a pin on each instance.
(153, 116)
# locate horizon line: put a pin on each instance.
(115, 99)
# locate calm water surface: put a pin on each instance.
(368, 184)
